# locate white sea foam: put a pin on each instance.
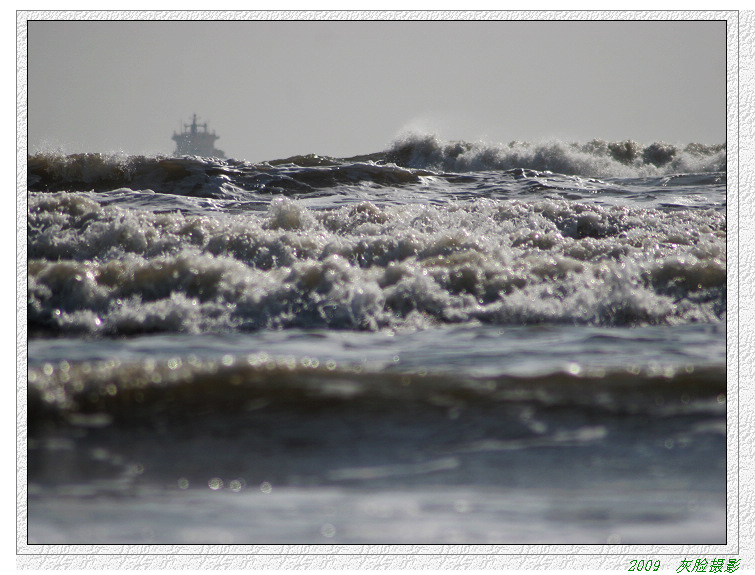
(105, 269)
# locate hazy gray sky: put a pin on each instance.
(275, 89)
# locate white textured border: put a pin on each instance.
(740, 536)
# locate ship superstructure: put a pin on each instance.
(194, 141)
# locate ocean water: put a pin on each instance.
(440, 343)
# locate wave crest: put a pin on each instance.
(596, 158)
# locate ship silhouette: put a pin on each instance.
(195, 142)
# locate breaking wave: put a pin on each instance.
(104, 269)
(406, 162)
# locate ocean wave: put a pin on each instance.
(405, 163)
(597, 158)
(207, 177)
(95, 392)
(103, 269)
